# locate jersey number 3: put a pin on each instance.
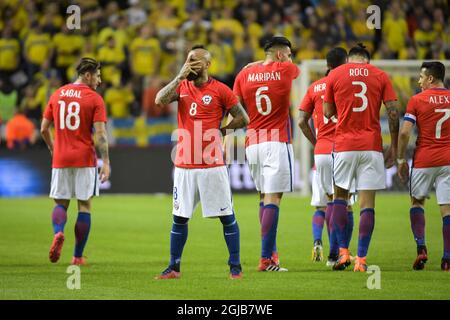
(362, 95)
(73, 112)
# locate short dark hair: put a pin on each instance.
(198, 46)
(87, 65)
(435, 69)
(277, 41)
(336, 57)
(359, 50)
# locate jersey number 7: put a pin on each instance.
(441, 121)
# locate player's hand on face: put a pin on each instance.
(403, 172)
(105, 172)
(189, 67)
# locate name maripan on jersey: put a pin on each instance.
(264, 76)
(71, 93)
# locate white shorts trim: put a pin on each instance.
(423, 179)
(322, 181)
(79, 183)
(210, 186)
(366, 167)
(271, 166)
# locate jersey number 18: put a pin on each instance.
(73, 112)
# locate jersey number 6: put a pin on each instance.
(259, 96)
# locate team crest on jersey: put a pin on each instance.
(207, 99)
(176, 205)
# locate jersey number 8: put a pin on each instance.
(73, 111)
(193, 109)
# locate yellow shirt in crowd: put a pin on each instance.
(143, 53)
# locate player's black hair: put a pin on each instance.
(198, 46)
(87, 65)
(359, 50)
(277, 41)
(336, 57)
(435, 69)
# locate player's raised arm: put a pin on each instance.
(46, 135)
(240, 119)
(169, 93)
(102, 144)
(303, 123)
(394, 124)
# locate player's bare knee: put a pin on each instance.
(273, 198)
(84, 205)
(63, 202)
(419, 203)
(340, 193)
(445, 210)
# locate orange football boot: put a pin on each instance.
(360, 264)
(55, 249)
(343, 260)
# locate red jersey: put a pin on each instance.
(265, 91)
(74, 108)
(200, 113)
(313, 103)
(430, 110)
(357, 90)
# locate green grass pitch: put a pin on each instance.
(129, 245)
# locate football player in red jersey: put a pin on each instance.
(323, 140)
(430, 111)
(200, 172)
(264, 89)
(355, 92)
(75, 109)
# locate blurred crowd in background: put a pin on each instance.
(141, 44)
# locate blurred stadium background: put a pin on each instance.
(142, 44)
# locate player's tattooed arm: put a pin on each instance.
(168, 94)
(46, 135)
(394, 125)
(303, 123)
(240, 119)
(102, 145)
